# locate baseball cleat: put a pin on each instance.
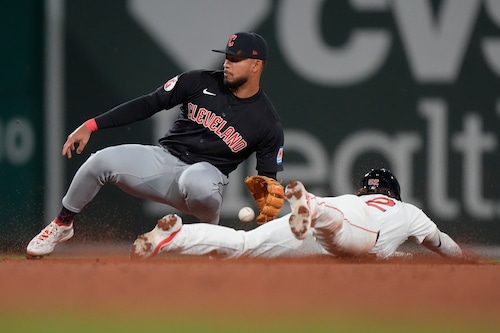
(149, 244)
(300, 218)
(45, 242)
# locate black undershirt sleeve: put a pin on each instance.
(129, 112)
(268, 174)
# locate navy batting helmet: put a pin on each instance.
(380, 181)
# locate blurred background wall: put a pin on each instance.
(411, 85)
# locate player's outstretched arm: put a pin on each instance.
(441, 243)
(79, 138)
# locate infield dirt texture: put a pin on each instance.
(101, 290)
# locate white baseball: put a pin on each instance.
(246, 214)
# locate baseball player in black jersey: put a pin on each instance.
(225, 117)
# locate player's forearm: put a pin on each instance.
(441, 243)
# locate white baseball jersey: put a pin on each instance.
(397, 222)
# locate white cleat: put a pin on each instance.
(300, 219)
(151, 243)
(45, 242)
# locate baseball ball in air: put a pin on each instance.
(246, 214)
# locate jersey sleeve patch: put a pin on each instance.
(170, 83)
(279, 156)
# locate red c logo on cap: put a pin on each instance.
(231, 40)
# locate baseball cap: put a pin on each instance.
(247, 45)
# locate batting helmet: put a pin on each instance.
(380, 181)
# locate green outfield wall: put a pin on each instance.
(21, 120)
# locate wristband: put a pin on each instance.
(91, 125)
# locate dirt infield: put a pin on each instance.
(422, 287)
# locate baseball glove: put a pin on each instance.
(269, 195)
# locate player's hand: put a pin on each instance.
(77, 140)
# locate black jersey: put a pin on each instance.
(214, 125)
